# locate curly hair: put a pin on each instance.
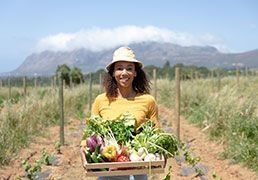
(141, 83)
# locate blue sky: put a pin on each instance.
(29, 26)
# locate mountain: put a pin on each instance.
(150, 53)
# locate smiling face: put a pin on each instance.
(124, 73)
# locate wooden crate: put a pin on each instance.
(125, 168)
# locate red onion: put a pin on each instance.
(94, 141)
(91, 143)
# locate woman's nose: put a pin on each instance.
(124, 71)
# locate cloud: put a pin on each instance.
(97, 39)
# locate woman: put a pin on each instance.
(127, 90)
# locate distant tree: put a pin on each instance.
(76, 75)
(65, 72)
(203, 71)
(219, 71)
(166, 69)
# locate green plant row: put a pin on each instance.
(229, 112)
(22, 121)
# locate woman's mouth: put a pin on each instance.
(124, 80)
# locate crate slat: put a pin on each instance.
(126, 172)
(124, 164)
(128, 168)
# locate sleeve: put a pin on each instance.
(153, 112)
(96, 106)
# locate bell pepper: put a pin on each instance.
(109, 152)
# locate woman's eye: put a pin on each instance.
(119, 68)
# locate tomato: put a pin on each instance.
(122, 158)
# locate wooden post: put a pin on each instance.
(237, 75)
(24, 86)
(90, 92)
(219, 80)
(55, 82)
(246, 71)
(52, 83)
(196, 75)
(61, 105)
(1, 83)
(212, 80)
(100, 83)
(177, 107)
(80, 81)
(64, 84)
(155, 82)
(24, 90)
(167, 75)
(35, 81)
(192, 76)
(71, 80)
(253, 73)
(9, 88)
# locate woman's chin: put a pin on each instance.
(124, 85)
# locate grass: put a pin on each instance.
(23, 120)
(230, 112)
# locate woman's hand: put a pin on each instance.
(84, 161)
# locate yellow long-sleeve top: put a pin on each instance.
(142, 106)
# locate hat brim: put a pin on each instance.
(131, 60)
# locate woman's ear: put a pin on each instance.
(135, 74)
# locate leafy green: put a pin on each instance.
(155, 140)
(122, 127)
(168, 142)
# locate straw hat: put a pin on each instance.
(124, 54)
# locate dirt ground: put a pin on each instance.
(208, 152)
(68, 164)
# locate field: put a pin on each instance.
(226, 110)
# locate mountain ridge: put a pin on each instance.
(150, 53)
